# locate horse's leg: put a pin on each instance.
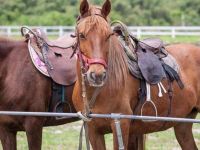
(8, 139)
(125, 125)
(33, 128)
(183, 132)
(136, 142)
(96, 139)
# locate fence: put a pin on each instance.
(139, 31)
(116, 118)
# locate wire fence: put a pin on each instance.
(139, 31)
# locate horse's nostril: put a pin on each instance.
(92, 76)
(104, 76)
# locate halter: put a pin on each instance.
(85, 60)
(90, 61)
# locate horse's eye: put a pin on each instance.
(82, 36)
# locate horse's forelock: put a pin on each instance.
(94, 22)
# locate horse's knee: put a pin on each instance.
(96, 138)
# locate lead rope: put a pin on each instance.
(84, 116)
(87, 105)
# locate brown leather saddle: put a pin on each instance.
(55, 54)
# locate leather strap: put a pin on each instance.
(84, 126)
(90, 61)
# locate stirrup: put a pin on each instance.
(155, 110)
(148, 100)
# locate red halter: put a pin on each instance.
(89, 61)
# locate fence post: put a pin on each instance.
(173, 33)
(45, 30)
(9, 31)
(116, 118)
(60, 31)
(138, 32)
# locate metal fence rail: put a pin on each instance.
(139, 31)
(115, 117)
(111, 116)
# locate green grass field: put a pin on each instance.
(66, 137)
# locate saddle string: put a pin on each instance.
(160, 88)
(159, 91)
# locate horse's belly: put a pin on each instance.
(14, 123)
(139, 127)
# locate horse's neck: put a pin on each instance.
(6, 46)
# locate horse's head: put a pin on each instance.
(93, 33)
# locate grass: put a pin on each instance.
(179, 39)
(66, 137)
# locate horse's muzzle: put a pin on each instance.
(96, 79)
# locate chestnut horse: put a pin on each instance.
(102, 64)
(23, 88)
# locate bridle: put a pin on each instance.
(84, 60)
(85, 63)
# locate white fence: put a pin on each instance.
(139, 31)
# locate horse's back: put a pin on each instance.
(187, 56)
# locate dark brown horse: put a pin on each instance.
(105, 66)
(23, 88)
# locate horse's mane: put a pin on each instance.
(117, 63)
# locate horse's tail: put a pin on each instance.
(137, 142)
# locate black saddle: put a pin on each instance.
(149, 53)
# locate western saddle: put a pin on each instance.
(55, 54)
(146, 57)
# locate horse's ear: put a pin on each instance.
(106, 8)
(84, 7)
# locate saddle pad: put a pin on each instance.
(40, 65)
(150, 66)
(171, 61)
